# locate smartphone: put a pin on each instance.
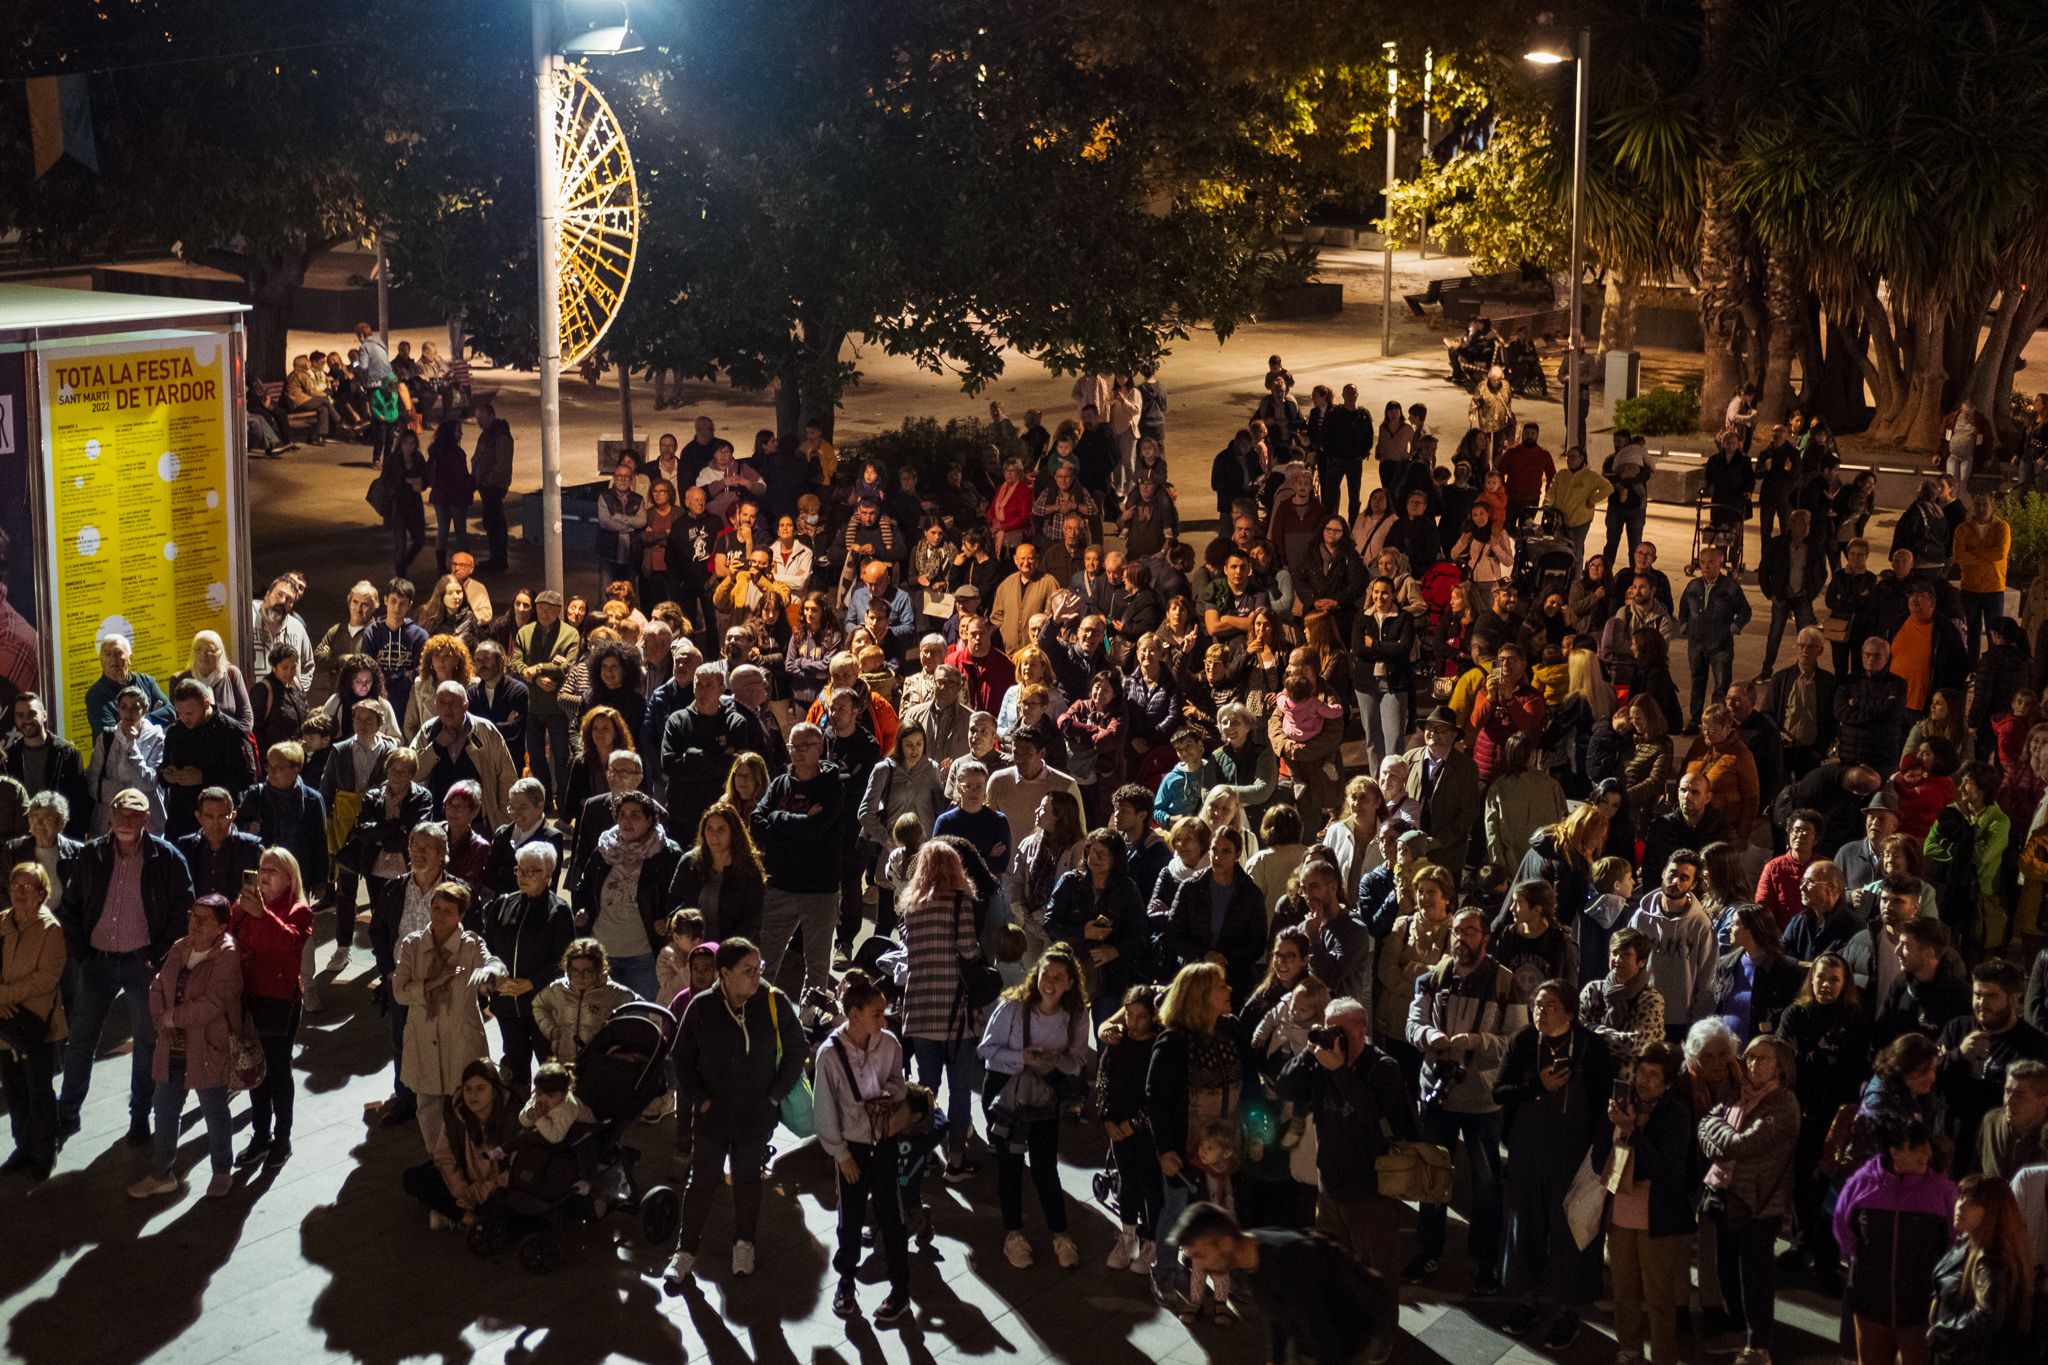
(249, 880)
(1624, 1094)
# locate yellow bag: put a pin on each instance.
(1414, 1172)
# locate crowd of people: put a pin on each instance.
(1350, 866)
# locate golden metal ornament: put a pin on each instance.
(599, 231)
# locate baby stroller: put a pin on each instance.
(1544, 561)
(618, 1074)
(1718, 524)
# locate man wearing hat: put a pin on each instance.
(966, 602)
(542, 652)
(1860, 859)
(122, 910)
(1446, 781)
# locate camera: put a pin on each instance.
(1327, 1036)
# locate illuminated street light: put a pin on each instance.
(1550, 50)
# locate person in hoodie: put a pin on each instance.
(1892, 1222)
(860, 1083)
(1683, 954)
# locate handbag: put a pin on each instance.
(1585, 1203)
(1727, 1208)
(1413, 1172)
(799, 1106)
(247, 1067)
(980, 982)
(379, 497)
(1838, 1148)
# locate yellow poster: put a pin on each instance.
(142, 537)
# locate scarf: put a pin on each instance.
(440, 983)
(1041, 874)
(1620, 997)
(613, 848)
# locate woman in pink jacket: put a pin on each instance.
(196, 1002)
(272, 927)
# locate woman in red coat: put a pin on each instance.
(272, 926)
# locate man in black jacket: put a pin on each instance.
(697, 752)
(1978, 1049)
(217, 854)
(203, 749)
(1694, 824)
(1319, 1304)
(1361, 1106)
(501, 699)
(1931, 988)
(48, 763)
(798, 826)
(122, 911)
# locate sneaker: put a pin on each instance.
(679, 1272)
(1563, 1331)
(1017, 1251)
(340, 958)
(312, 1001)
(1126, 1246)
(150, 1186)
(843, 1302)
(1420, 1269)
(257, 1151)
(660, 1109)
(959, 1172)
(221, 1186)
(742, 1258)
(894, 1309)
(1141, 1263)
(1221, 1314)
(280, 1152)
(1064, 1251)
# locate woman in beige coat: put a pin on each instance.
(31, 968)
(438, 974)
(1417, 943)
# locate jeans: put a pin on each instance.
(1648, 1282)
(1960, 467)
(213, 1103)
(1386, 722)
(1139, 1190)
(1042, 1147)
(451, 522)
(1743, 1260)
(408, 535)
(29, 1081)
(1704, 663)
(1620, 519)
(395, 1016)
(1979, 607)
(323, 411)
(1480, 1134)
(270, 1104)
(782, 914)
(345, 883)
(491, 507)
(102, 978)
(961, 1067)
(1577, 536)
(382, 435)
(873, 1195)
(1799, 612)
(636, 973)
(714, 1143)
(547, 753)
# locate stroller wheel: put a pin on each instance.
(539, 1253)
(1105, 1189)
(486, 1238)
(660, 1214)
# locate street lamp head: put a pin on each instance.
(1550, 47)
(608, 40)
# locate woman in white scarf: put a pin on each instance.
(211, 666)
(624, 890)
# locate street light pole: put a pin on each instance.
(1428, 81)
(1575, 362)
(547, 228)
(1386, 236)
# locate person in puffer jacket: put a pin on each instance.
(569, 1012)
(1751, 1144)
(1892, 1222)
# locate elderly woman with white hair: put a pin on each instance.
(526, 822)
(212, 667)
(528, 930)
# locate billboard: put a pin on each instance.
(20, 616)
(139, 506)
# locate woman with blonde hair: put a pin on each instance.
(1222, 808)
(1353, 838)
(1193, 1081)
(211, 666)
(1033, 666)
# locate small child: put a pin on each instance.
(1120, 1099)
(1614, 886)
(1216, 1161)
(906, 837)
(1280, 855)
(1283, 1033)
(1551, 675)
(684, 931)
(1011, 946)
(700, 974)
(1535, 947)
(1302, 713)
(1181, 790)
(553, 1108)
(316, 737)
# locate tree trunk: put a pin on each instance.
(626, 403)
(789, 408)
(2031, 314)
(1723, 291)
(1785, 313)
(1831, 369)
(1618, 314)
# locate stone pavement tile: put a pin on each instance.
(1463, 1340)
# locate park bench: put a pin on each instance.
(303, 419)
(459, 376)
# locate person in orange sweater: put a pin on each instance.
(1724, 760)
(1980, 549)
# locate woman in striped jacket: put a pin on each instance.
(941, 932)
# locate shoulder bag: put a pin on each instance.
(799, 1106)
(24, 1030)
(980, 982)
(1417, 1172)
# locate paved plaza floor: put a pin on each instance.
(326, 1259)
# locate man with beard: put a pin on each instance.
(1683, 953)
(1978, 1050)
(1695, 824)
